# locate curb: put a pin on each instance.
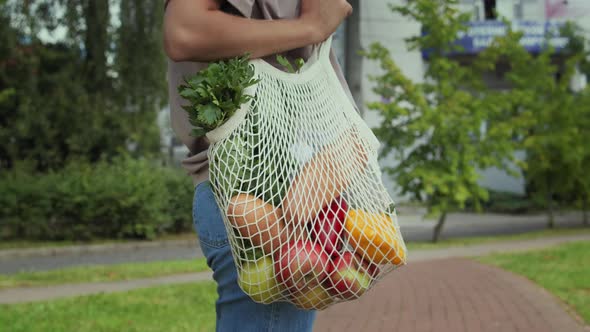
(93, 248)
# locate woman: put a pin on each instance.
(198, 31)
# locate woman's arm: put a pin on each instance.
(197, 30)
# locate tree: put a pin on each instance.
(582, 178)
(547, 115)
(140, 65)
(89, 95)
(578, 48)
(434, 129)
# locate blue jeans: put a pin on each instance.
(235, 310)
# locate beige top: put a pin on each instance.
(196, 163)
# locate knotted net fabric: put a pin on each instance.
(296, 176)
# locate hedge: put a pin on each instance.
(125, 198)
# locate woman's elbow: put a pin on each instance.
(175, 46)
(184, 43)
(186, 37)
(173, 52)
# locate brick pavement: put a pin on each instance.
(451, 295)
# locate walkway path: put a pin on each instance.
(451, 295)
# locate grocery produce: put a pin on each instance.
(373, 237)
(300, 263)
(350, 278)
(257, 221)
(323, 178)
(216, 93)
(257, 279)
(314, 296)
(328, 227)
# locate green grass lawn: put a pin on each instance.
(563, 270)
(100, 273)
(177, 308)
(468, 241)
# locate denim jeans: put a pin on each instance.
(235, 310)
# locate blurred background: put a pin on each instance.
(482, 108)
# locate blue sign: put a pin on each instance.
(481, 34)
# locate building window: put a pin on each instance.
(490, 9)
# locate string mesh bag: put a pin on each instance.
(295, 174)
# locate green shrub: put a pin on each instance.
(126, 198)
(180, 193)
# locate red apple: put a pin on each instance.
(300, 263)
(371, 268)
(329, 224)
(350, 278)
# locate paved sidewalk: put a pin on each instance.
(451, 295)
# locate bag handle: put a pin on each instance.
(319, 57)
(321, 51)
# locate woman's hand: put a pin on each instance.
(324, 16)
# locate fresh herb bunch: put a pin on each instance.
(216, 93)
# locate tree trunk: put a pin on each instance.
(550, 215)
(439, 226)
(585, 211)
(96, 43)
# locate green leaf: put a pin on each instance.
(299, 63)
(196, 80)
(209, 114)
(285, 63)
(189, 94)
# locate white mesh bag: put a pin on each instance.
(296, 177)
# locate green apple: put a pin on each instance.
(257, 279)
(312, 297)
